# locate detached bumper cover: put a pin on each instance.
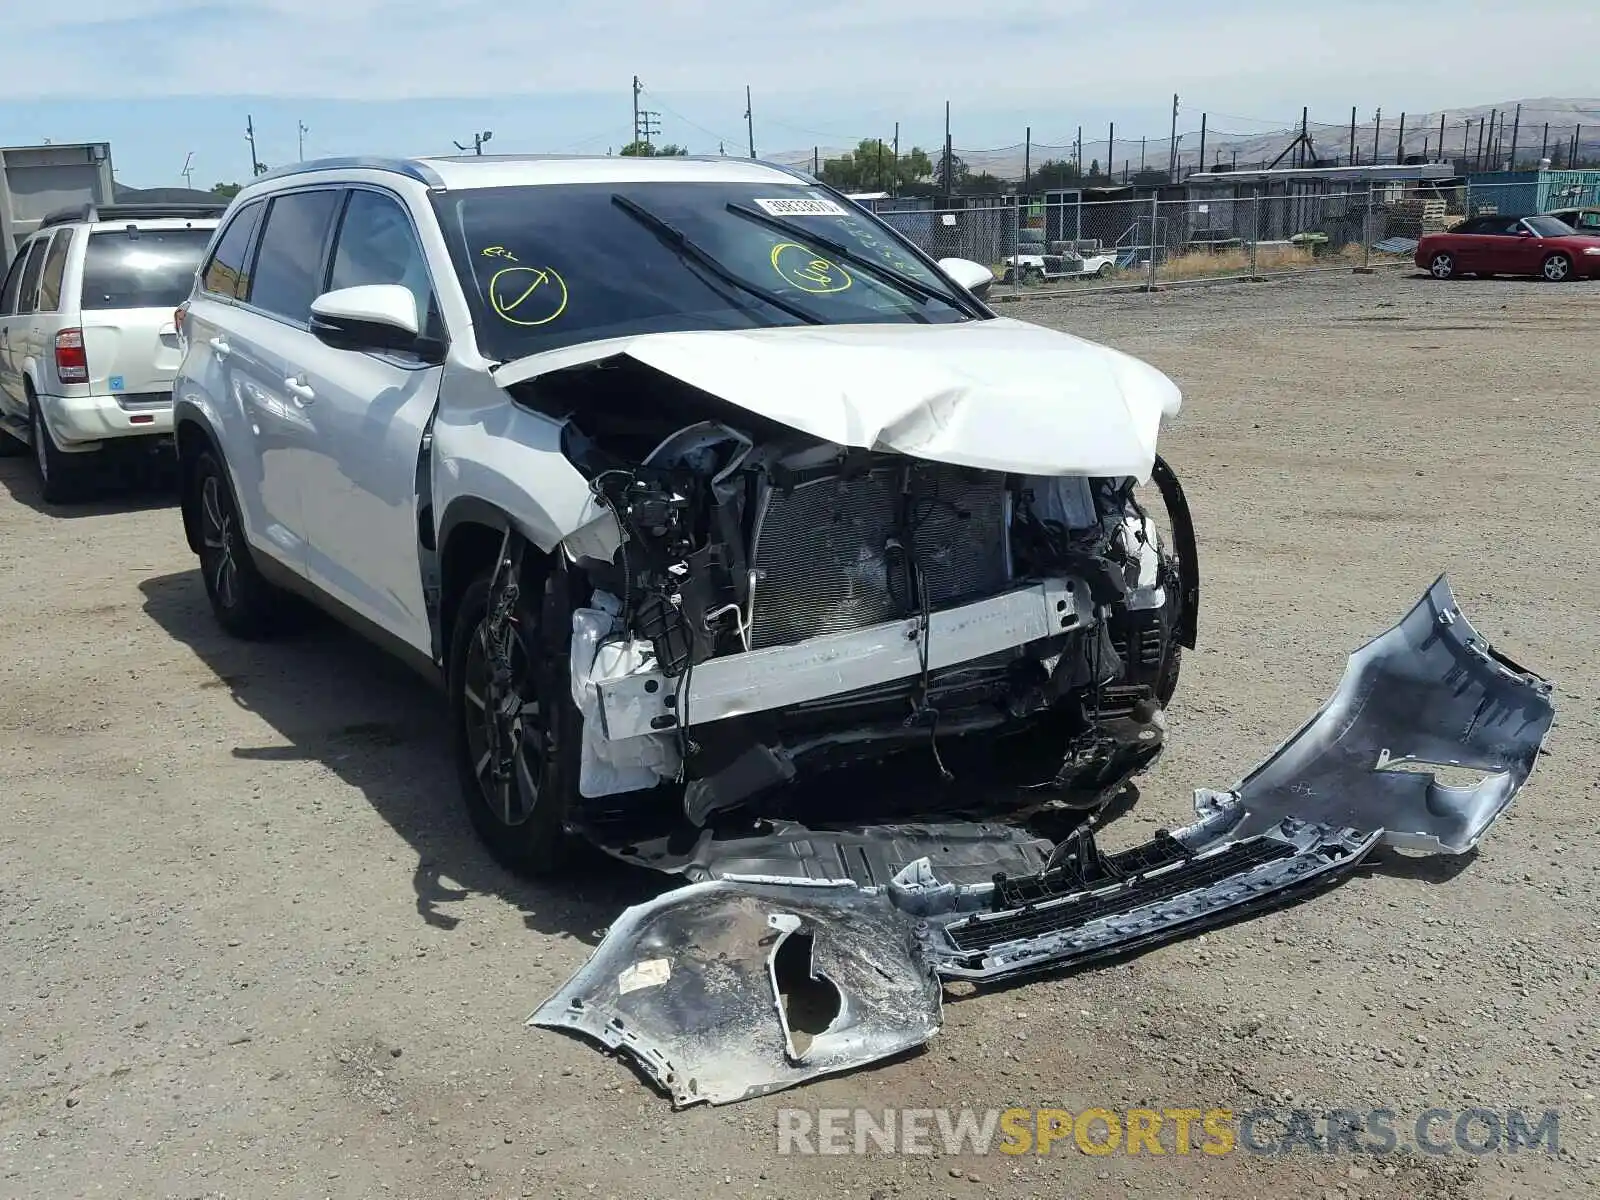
(1428, 693)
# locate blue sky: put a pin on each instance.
(160, 79)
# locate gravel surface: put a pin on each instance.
(249, 948)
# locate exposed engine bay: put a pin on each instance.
(763, 606)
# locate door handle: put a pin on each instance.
(302, 391)
(221, 347)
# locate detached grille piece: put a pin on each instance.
(824, 549)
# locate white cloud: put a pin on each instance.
(1055, 54)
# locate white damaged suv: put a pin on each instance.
(715, 504)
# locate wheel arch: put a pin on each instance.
(472, 532)
(192, 436)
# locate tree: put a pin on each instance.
(649, 150)
(872, 166)
(959, 173)
(983, 184)
(1055, 173)
(226, 190)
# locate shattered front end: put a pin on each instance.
(777, 969)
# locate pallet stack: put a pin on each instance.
(1413, 217)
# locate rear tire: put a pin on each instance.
(243, 602)
(1442, 265)
(528, 723)
(1557, 268)
(61, 476)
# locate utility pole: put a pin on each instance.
(1027, 155)
(636, 88)
(749, 121)
(188, 170)
(302, 131)
(948, 156)
(1516, 127)
(1477, 158)
(1172, 147)
(1377, 129)
(1441, 137)
(1400, 142)
(1111, 149)
(478, 139)
(894, 182)
(1305, 127)
(1544, 142)
(1352, 135)
(256, 165)
(1201, 165)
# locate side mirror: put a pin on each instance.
(975, 277)
(374, 316)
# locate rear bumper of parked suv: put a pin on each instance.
(81, 422)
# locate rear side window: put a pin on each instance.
(289, 265)
(226, 274)
(141, 268)
(30, 276)
(55, 266)
(13, 285)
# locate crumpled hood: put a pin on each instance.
(997, 394)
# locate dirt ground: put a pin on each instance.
(248, 948)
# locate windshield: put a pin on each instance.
(550, 265)
(1550, 227)
(141, 268)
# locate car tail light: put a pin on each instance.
(72, 364)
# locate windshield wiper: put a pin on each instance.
(904, 283)
(686, 246)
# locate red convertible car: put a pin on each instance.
(1510, 245)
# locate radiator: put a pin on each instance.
(823, 548)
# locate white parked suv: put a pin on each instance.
(692, 482)
(88, 341)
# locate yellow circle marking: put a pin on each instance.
(546, 293)
(800, 266)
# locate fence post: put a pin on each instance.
(1016, 245)
(1366, 232)
(1255, 231)
(1155, 218)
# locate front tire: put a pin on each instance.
(515, 734)
(243, 602)
(1557, 268)
(1442, 265)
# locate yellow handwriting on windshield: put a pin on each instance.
(498, 252)
(805, 269)
(528, 296)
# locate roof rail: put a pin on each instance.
(129, 212)
(408, 167)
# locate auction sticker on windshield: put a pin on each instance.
(804, 207)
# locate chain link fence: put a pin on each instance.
(1064, 245)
